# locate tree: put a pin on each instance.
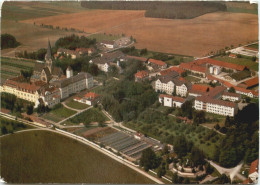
(184, 74)
(228, 122)
(113, 70)
(4, 130)
(143, 51)
(93, 69)
(175, 178)
(29, 109)
(232, 90)
(174, 91)
(149, 160)
(8, 41)
(186, 181)
(165, 149)
(197, 156)
(217, 126)
(199, 117)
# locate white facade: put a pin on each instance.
(254, 177)
(103, 67)
(169, 88)
(164, 87)
(230, 98)
(181, 90)
(215, 108)
(170, 101)
(76, 87)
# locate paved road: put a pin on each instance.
(232, 172)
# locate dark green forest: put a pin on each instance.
(8, 41)
(156, 9)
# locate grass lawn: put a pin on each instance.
(101, 37)
(241, 61)
(88, 116)
(58, 114)
(11, 126)
(47, 157)
(76, 105)
(192, 79)
(256, 46)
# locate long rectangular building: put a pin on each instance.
(215, 106)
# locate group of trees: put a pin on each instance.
(73, 41)
(35, 55)
(14, 104)
(241, 141)
(8, 41)
(9, 126)
(156, 9)
(125, 99)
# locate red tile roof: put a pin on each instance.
(253, 167)
(251, 82)
(157, 62)
(174, 98)
(166, 71)
(231, 94)
(201, 88)
(193, 66)
(19, 84)
(233, 55)
(223, 64)
(216, 91)
(91, 95)
(141, 74)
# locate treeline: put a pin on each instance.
(35, 55)
(9, 126)
(157, 9)
(73, 41)
(8, 41)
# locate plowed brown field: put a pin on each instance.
(195, 37)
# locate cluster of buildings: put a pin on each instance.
(78, 52)
(106, 60)
(112, 44)
(48, 85)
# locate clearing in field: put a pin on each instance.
(40, 157)
(192, 37)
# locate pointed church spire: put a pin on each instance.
(48, 54)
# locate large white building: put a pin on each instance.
(73, 84)
(215, 106)
(35, 92)
(231, 96)
(171, 83)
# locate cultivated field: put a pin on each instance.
(194, 37)
(11, 67)
(40, 157)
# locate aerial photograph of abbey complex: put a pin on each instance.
(129, 92)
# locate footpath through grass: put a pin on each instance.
(58, 113)
(47, 157)
(86, 117)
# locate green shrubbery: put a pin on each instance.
(8, 41)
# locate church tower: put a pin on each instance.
(48, 58)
